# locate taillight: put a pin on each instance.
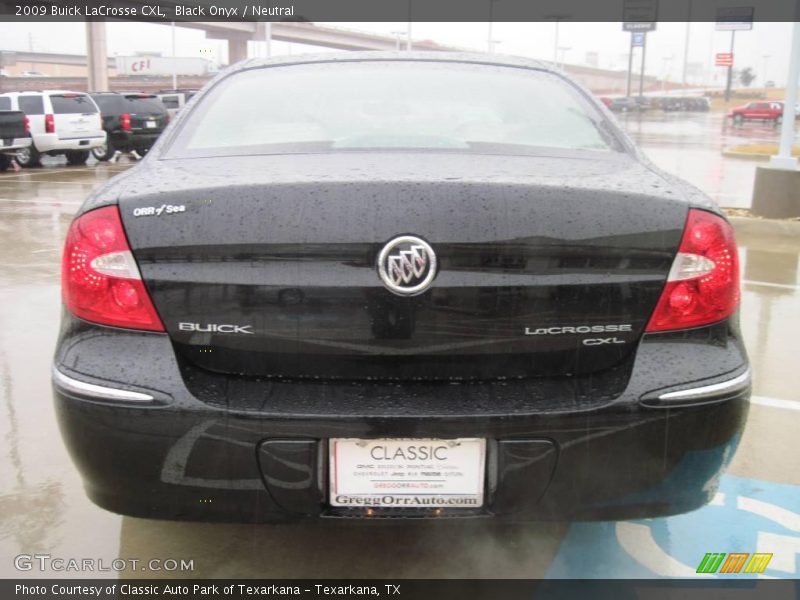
(100, 281)
(703, 283)
(125, 122)
(49, 124)
(27, 123)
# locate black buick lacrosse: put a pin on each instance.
(377, 285)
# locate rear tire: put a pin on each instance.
(778, 120)
(5, 162)
(29, 157)
(77, 157)
(104, 152)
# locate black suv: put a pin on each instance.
(133, 121)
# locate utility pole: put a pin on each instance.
(630, 69)
(555, 46)
(686, 45)
(641, 72)
(686, 54)
(489, 40)
(730, 70)
(409, 44)
(174, 62)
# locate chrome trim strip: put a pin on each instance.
(96, 391)
(740, 381)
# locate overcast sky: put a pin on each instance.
(766, 46)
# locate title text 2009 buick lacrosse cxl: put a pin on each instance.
(399, 285)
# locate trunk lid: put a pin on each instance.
(547, 266)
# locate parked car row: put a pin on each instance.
(77, 124)
(666, 103)
(683, 103)
(61, 123)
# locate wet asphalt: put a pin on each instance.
(42, 505)
(690, 145)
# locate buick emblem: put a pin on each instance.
(407, 265)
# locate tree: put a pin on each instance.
(746, 76)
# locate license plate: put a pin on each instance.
(407, 473)
(150, 124)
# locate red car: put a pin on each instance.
(758, 111)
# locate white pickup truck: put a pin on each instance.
(61, 122)
(14, 135)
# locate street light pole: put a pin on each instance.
(555, 46)
(630, 69)
(686, 54)
(641, 72)
(686, 46)
(174, 62)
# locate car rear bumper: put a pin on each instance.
(16, 144)
(51, 142)
(134, 140)
(657, 449)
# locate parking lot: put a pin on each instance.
(44, 510)
(690, 145)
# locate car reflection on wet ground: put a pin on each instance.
(43, 508)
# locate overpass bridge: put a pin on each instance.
(238, 33)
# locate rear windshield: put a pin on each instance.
(397, 105)
(108, 103)
(70, 104)
(143, 105)
(31, 105)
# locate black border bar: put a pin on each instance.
(440, 589)
(630, 11)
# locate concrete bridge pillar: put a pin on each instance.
(97, 56)
(237, 49)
